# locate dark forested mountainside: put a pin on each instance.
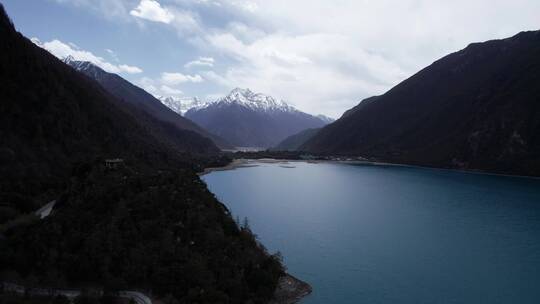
(150, 224)
(164, 233)
(131, 94)
(478, 109)
(53, 117)
(359, 106)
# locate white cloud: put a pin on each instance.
(218, 79)
(325, 56)
(248, 6)
(178, 78)
(316, 72)
(153, 11)
(63, 50)
(129, 69)
(112, 54)
(148, 85)
(201, 61)
(110, 9)
(168, 91)
(167, 84)
(158, 87)
(244, 32)
(241, 5)
(185, 22)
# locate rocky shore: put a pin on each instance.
(290, 290)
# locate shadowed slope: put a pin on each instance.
(478, 108)
(126, 91)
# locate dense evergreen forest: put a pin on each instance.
(160, 231)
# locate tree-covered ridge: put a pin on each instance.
(161, 232)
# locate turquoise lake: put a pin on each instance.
(393, 234)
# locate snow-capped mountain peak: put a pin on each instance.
(248, 119)
(85, 66)
(254, 101)
(181, 105)
(69, 59)
(77, 64)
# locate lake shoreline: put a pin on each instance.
(321, 216)
(290, 289)
(252, 162)
(245, 163)
(236, 163)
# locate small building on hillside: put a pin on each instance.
(114, 163)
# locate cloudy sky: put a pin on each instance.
(321, 56)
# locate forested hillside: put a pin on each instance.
(148, 224)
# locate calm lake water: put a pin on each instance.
(390, 234)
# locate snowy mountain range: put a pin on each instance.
(254, 101)
(242, 97)
(181, 105)
(248, 119)
(243, 118)
(238, 96)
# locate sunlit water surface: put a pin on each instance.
(390, 234)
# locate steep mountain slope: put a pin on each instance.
(478, 108)
(53, 117)
(359, 106)
(126, 91)
(247, 119)
(149, 225)
(294, 142)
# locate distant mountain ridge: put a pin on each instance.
(248, 119)
(124, 90)
(254, 101)
(476, 109)
(181, 105)
(325, 118)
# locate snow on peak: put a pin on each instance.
(326, 119)
(78, 64)
(243, 97)
(254, 101)
(181, 105)
(69, 59)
